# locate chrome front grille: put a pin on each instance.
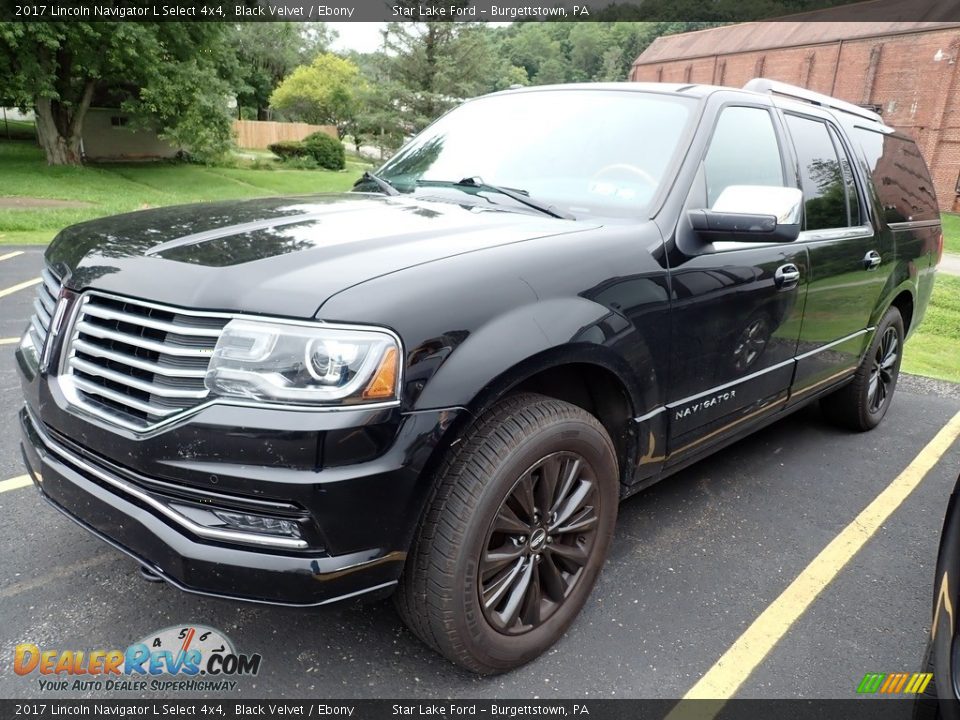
(137, 363)
(44, 305)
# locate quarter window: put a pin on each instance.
(900, 176)
(743, 151)
(821, 174)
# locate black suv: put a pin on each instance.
(444, 381)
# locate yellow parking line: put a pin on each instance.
(14, 483)
(21, 286)
(729, 672)
(9, 341)
(11, 255)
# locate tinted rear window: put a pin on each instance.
(900, 176)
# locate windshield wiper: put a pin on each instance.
(384, 185)
(521, 196)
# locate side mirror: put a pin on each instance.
(751, 213)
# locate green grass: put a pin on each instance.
(122, 187)
(934, 349)
(951, 233)
(17, 130)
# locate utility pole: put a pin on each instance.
(385, 32)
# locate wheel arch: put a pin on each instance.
(584, 375)
(903, 300)
(901, 291)
(535, 337)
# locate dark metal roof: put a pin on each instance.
(747, 37)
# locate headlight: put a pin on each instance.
(289, 363)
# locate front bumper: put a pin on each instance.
(123, 506)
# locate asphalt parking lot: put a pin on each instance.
(696, 560)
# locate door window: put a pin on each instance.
(824, 182)
(743, 151)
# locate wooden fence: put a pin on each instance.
(258, 134)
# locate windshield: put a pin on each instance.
(588, 152)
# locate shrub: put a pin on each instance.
(326, 150)
(286, 149)
(263, 164)
(301, 163)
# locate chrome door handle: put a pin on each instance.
(786, 276)
(872, 260)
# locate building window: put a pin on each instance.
(119, 121)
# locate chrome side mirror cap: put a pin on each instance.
(784, 203)
(751, 213)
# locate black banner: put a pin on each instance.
(478, 10)
(854, 709)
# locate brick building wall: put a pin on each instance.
(913, 76)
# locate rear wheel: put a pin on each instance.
(863, 403)
(515, 536)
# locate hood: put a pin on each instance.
(282, 256)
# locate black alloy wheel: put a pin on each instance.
(539, 543)
(515, 534)
(863, 402)
(886, 361)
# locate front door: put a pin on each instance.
(736, 308)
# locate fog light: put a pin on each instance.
(28, 346)
(259, 524)
(238, 527)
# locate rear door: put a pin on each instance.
(736, 306)
(849, 263)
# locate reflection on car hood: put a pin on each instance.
(279, 255)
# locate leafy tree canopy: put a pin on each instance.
(174, 76)
(323, 92)
(268, 51)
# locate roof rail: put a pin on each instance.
(773, 87)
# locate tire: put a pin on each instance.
(503, 464)
(861, 405)
(926, 705)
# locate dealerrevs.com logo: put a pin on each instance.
(188, 659)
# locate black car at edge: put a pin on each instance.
(940, 698)
(443, 382)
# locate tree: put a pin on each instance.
(268, 51)
(323, 92)
(175, 74)
(510, 76)
(431, 66)
(588, 43)
(531, 45)
(581, 51)
(378, 122)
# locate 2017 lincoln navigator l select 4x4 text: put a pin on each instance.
(442, 383)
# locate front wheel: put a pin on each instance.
(515, 536)
(863, 403)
